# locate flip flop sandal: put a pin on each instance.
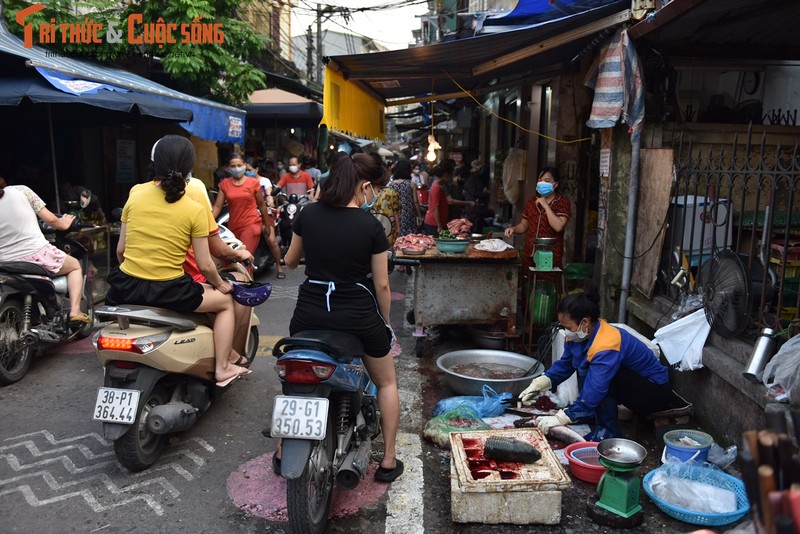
(229, 381)
(243, 361)
(82, 318)
(389, 475)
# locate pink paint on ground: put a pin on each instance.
(398, 296)
(258, 491)
(79, 346)
(395, 351)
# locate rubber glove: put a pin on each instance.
(549, 421)
(539, 384)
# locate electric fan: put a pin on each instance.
(726, 298)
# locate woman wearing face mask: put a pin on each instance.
(248, 211)
(343, 245)
(544, 215)
(613, 367)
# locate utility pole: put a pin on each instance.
(309, 54)
(320, 11)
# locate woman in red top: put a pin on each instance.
(545, 215)
(245, 203)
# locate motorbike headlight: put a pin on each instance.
(291, 209)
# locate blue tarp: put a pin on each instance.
(535, 11)
(211, 120)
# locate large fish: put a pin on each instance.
(510, 450)
(562, 433)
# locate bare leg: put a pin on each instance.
(72, 268)
(242, 325)
(274, 249)
(222, 306)
(382, 373)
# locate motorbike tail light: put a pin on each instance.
(141, 345)
(304, 371)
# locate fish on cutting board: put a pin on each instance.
(510, 450)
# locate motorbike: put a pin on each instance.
(159, 375)
(288, 206)
(262, 257)
(34, 307)
(327, 417)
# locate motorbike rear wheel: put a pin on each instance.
(308, 498)
(15, 357)
(138, 448)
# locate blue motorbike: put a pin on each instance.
(327, 417)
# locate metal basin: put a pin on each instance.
(621, 452)
(488, 339)
(471, 385)
(544, 241)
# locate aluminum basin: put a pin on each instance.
(470, 385)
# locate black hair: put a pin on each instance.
(402, 170)
(3, 183)
(581, 305)
(553, 171)
(173, 161)
(345, 174)
(253, 162)
(235, 156)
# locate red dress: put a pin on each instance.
(538, 226)
(245, 220)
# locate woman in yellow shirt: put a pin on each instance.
(159, 224)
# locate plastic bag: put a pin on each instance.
(679, 484)
(720, 457)
(682, 342)
(784, 368)
(461, 419)
(490, 405)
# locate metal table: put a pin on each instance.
(474, 287)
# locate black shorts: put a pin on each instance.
(182, 295)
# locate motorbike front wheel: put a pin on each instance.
(308, 497)
(15, 357)
(138, 448)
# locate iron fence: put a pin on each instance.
(742, 196)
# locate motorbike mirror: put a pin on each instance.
(116, 214)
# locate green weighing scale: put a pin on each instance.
(617, 500)
(543, 255)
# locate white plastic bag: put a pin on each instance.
(784, 368)
(682, 342)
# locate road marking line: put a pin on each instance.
(405, 503)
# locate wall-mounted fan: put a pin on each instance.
(726, 298)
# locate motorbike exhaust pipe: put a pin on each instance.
(354, 466)
(171, 417)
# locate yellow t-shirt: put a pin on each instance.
(158, 233)
(196, 190)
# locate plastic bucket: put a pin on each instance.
(543, 302)
(687, 445)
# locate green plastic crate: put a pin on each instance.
(578, 271)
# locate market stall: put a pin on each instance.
(472, 287)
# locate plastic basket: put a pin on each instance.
(452, 245)
(582, 457)
(706, 475)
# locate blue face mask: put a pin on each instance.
(544, 188)
(251, 174)
(366, 206)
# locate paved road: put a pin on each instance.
(57, 473)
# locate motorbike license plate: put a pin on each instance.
(299, 417)
(116, 405)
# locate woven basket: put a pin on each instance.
(706, 475)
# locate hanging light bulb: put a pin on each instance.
(433, 146)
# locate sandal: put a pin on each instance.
(82, 318)
(281, 275)
(242, 362)
(276, 464)
(389, 475)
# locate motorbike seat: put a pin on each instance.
(342, 346)
(24, 267)
(148, 314)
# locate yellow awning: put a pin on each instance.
(349, 109)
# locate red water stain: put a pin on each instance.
(477, 475)
(481, 464)
(397, 296)
(80, 346)
(509, 475)
(255, 489)
(470, 443)
(473, 454)
(396, 350)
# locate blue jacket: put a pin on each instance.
(597, 360)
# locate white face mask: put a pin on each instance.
(578, 335)
(292, 169)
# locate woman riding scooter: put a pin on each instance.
(158, 226)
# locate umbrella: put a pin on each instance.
(385, 152)
(16, 91)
